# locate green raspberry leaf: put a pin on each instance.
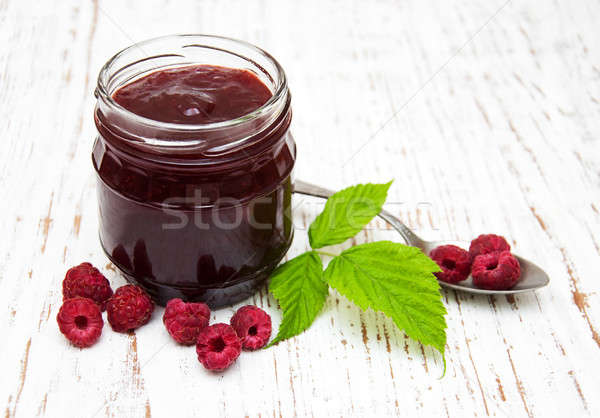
(396, 280)
(299, 287)
(346, 213)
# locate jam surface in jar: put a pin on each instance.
(194, 95)
(208, 224)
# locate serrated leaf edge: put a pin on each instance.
(443, 311)
(316, 246)
(278, 338)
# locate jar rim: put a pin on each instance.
(280, 89)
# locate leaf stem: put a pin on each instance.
(326, 253)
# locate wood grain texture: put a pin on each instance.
(495, 128)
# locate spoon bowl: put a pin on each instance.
(532, 276)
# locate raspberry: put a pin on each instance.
(496, 271)
(80, 320)
(86, 281)
(454, 262)
(129, 308)
(184, 321)
(487, 243)
(218, 347)
(253, 326)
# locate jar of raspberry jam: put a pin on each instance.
(194, 160)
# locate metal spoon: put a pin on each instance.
(532, 277)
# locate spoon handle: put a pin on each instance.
(411, 238)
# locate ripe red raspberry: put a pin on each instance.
(80, 320)
(129, 308)
(86, 281)
(454, 262)
(184, 321)
(218, 347)
(496, 271)
(253, 326)
(487, 243)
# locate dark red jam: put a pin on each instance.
(194, 95)
(195, 191)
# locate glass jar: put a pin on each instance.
(200, 212)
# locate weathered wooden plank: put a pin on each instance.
(495, 129)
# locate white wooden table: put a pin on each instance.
(487, 114)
